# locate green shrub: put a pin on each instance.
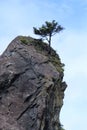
(24, 41)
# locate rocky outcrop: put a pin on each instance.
(31, 86)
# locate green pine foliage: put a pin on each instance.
(47, 30)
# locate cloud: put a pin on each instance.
(72, 47)
(16, 18)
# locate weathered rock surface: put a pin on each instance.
(31, 87)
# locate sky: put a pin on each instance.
(18, 17)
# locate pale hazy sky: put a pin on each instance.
(18, 17)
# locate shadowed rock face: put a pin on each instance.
(31, 88)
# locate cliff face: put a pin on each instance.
(31, 86)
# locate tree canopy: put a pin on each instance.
(47, 30)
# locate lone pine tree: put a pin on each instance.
(47, 30)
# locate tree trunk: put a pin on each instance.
(49, 43)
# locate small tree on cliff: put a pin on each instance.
(48, 30)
